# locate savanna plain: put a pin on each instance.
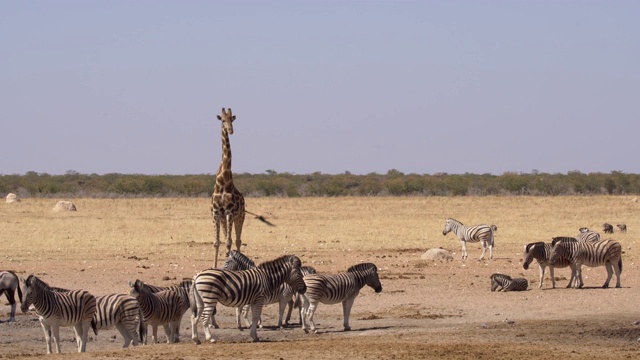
(427, 308)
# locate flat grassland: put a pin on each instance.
(427, 308)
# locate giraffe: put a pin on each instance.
(227, 203)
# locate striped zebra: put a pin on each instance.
(481, 233)
(285, 295)
(505, 283)
(9, 283)
(606, 253)
(541, 251)
(123, 312)
(249, 287)
(587, 235)
(164, 309)
(55, 309)
(340, 288)
(184, 288)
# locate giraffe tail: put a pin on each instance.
(261, 218)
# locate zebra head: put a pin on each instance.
(528, 253)
(448, 226)
(30, 287)
(559, 251)
(237, 261)
(136, 288)
(584, 230)
(369, 273)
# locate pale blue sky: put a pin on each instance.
(330, 86)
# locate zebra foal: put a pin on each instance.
(606, 253)
(249, 287)
(55, 309)
(164, 309)
(481, 233)
(505, 283)
(340, 288)
(9, 283)
(123, 312)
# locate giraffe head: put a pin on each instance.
(227, 119)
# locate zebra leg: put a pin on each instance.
(579, 276)
(541, 268)
(126, 334)
(618, 269)
(304, 312)
(464, 249)
(84, 328)
(282, 304)
(609, 268)
(310, 312)
(168, 331)
(47, 335)
(154, 333)
(484, 249)
(55, 334)
(11, 297)
(256, 312)
(346, 311)
(553, 279)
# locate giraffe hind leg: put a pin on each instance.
(238, 222)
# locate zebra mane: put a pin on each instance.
(285, 260)
(456, 221)
(33, 280)
(363, 267)
(529, 246)
(306, 270)
(239, 258)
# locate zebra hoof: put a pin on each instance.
(197, 341)
(348, 328)
(306, 331)
(212, 340)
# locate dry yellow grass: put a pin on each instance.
(107, 242)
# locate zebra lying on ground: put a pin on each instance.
(123, 312)
(481, 233)
(164, 308)
(54, 309)
(285, 295)
(249, 287)
(506, 283)
(606, 253)
(340, 288)
(184, 289)
(9, 283)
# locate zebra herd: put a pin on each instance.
(239, 283)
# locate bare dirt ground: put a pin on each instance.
(427, 309)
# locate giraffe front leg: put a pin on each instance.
(238, 222)
(227, 233)
(216, 244)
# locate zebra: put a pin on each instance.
(239, 288)
(163, 308)
(607, 228)
(54, 309)
(506, 283)
(184, 288)
(285, 295)
(539, 251)
(606, 253)
(123, 312)
(622, 227)
(482, 233)
(9, 283)
(587, 235)
(332, 289)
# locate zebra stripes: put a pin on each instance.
(333, 289)
(184, 289)
(250, 287)
(541, 251)
(587, 235)
(55, 309)
(284, 296)
(606, 253)
(505, 283)
(123, 312)
(164, 308)
(9, 283)
(481, 233)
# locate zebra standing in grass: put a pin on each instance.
(587, 235)
(123, 312)
(9, 283)
(284, 296)
(506, 283)
(606, 253)
(481, 233)
(340, 288)
(250, 287)
(188, 302)
(54, 309)
(164, 308)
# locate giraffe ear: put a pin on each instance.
(219, 118)
(233, 118)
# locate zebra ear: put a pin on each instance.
(130, 283)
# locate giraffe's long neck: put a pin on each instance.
(226, 153)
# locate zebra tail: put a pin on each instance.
(260, 217)
(19, 293)
(142, 328)
(94, 326)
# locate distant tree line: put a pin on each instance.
(272, 183)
